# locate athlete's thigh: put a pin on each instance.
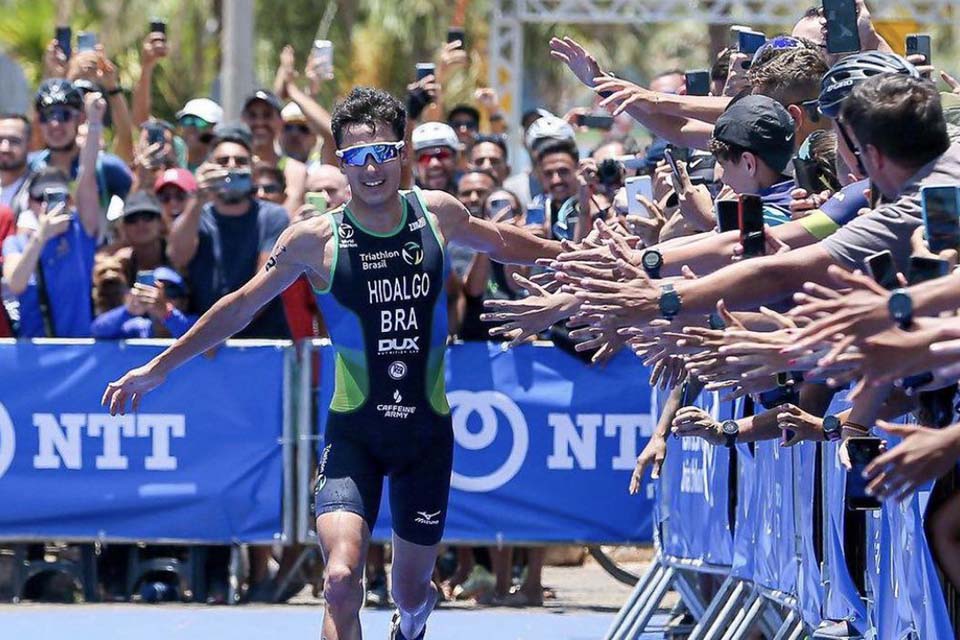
(420, 486)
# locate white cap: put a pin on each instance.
(435, 134)
(202, 108)
(292, 113)
(549, 127)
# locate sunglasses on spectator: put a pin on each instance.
(58, 113)
(140, 216)
(270, 188)
(778, 43)
(812, 108)
(170, 195)
(378, 152)
(441, 154)
(296, 128)
(465, 124)
(194, 121)
(224, 161)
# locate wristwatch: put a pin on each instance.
(669, 302)
(831, 428)
(900, 307)
(730, 430)
(652, 260)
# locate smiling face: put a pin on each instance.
(372, 184)
(264, 122)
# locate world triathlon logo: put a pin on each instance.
(8, 443)
(412, 253)
(491, 407)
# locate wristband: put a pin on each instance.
(115, 91)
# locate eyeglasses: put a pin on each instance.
(778, 43)
(812, 108)
(169, 195)
(441, 154)
(240, 161)
(140, 216)
(465, 124)
(853, 148)
(194, 121)
(296, 128)
(58, 113)
(269, 188)
(378, 152)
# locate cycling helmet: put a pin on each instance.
(435, 134)
(842, 77)
(58, 91)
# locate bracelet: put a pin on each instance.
(115, 91)
(855, 426)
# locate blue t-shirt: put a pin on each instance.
(118, 324)
(776, 202)
(67, 263)
(113, 176)
(226, 258)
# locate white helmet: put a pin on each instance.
(549, 127)
(435, 134)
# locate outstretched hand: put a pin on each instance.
(134, 384)
(578, 60)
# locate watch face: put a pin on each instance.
(652, 259)
(900, 305)
(831, 424)
(670, 303)
(730, 428)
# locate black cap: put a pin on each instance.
(54, 91)
(233, 132)
(48, 178)
(141, 202)
(761, 125)
(266, 96)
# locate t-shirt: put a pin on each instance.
(113, 176)
(890, 226)
(226, 258)
(776, 202)
(67, 263)
(842, 207)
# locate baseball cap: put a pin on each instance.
(48, 178)
(435, 134)
(141, 202)
(179, 177)
(549, 128)
(55, 91)
(265, 96)
(203, 108)
(292, 114)
(761, 125)
(233, 132)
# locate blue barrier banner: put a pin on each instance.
(809, 582)
(201, 460)
(747, 529)
(694, 493)
(776, 558)
(545, 446)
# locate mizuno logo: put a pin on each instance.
(427, 518)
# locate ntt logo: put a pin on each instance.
(8, 440)
(489, 406)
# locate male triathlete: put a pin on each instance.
(380, 258)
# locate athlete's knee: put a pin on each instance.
(342, 587)
(411, 595)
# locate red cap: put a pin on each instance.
(179, 177)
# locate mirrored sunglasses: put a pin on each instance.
(378, 152)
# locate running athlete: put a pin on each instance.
(378, 267)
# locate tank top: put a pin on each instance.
(385, 307)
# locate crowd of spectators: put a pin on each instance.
(830, 157)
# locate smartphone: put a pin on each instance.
(920, 44)
(158, 26)
(668, 155)
(146, 277)
(735, 35)
(638, 186)
(923, 269)
(322, 52)
(155, 134)
(750, 41)
(86, 41)
(842, 33)
(698, 82)
(425, 69)
(862, 450)
(237, 182)
(632, 163)
(54, 197)
(941, 216)
(881, 267)
(316, 200)
(807, 175)
(457, 33)
(64, 38)
(728, 215)
(499, 205)
(536, 213)
(601, 121)
(751, 226)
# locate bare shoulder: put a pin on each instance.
(442, 202)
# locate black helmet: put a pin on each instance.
(842, 77)
(58, 91)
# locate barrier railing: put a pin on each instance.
(775, 580)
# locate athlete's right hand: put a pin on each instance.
(133, 386)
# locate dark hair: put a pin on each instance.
(367, 106)
(823, 151)
(492, 138)
(721, 66)
(464, 109)
(18, 116)
(789, 77)
(900, 116)
(552, 145)
(482, 172)
(726, 151)
(264, 169)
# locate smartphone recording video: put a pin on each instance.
(842, 33)
(881, 267)
(941, 216)
(862, 452)
(751, 226)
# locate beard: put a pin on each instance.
(70, 146)
(13, 165)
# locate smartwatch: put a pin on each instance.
(652, 260)
(669, 302)
(831, 428)
(900, 307)
(730, 430)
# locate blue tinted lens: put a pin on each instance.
(357, 156)
(780, 42)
